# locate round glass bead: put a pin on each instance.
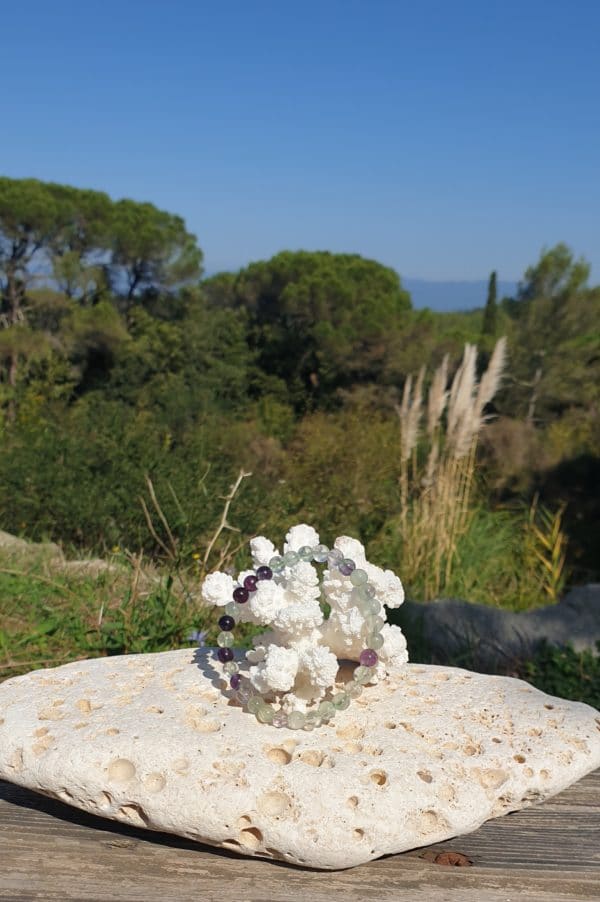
(279, 719)
(264, 572)
(290, 558)
(265, 714)
(250, 583)
(245, 693)
(326, 710)
(255, 703)
(226, 622)
(320, 553)
(374, 606)
(370, 590)
(305, 553)
(368, 657)
(346, 567)
(335, 557)
(358, 577)
(360, 596)
(377, 624)
(240, 595)
(224, 640)
(230, 667)
(232, 609)
(276, 563)
(224, 655)
(353, 689)
(375, 641)
(362, 674)
(312, 720)
(295, 720)
(340, 701)
(235, 680)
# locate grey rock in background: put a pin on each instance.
(489, 638)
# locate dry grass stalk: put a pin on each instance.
(436, 488)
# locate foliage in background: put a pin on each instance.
(117, 365)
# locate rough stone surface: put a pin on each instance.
(150, 740)
(491, 637)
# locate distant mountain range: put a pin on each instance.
(453, 296)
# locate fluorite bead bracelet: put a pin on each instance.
(364, 595)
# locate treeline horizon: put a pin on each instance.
(119, 360)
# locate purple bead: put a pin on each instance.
(250, 583)
(224, 655)
(226, 623)
(368, 657)
(240, 595)
(264, 572)
(235, 681)
(346, 567)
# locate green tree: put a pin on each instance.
(490, 313)
(317, 321)
(150, 250)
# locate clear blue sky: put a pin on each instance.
(442, 138)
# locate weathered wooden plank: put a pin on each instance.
(53, 852)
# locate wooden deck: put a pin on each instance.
(50, 851)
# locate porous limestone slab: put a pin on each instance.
(431, 753)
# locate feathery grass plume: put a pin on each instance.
(436, 486)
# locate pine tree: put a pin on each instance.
(490, 314)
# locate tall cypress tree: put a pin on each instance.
(490, 314)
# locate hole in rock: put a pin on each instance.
(251, 838)
(495, 739)
(390, 725)
(135, 814)
(520, 759)
(353, 801)
(279, 755)
(549, 707)
(273, 803)
(314, 757)
(103, 800)
(121, 769)
(379, 777)
(425, 776)
(244, 821)
(358, 834)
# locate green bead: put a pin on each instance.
(353, 689)
(340, 701)
(305, 553)
(358, 577)
(362, 674)
(375, 641)
(265, 714)
(230, 667)
(360, 596)
(326, 709)
(290, 559)
(255, 703)
(374, 606)
(224, 640)
(276, 564)
(312, 720)
(378, 624)
(320, 553)
(296, 720)
(232, 609)
(370, 590)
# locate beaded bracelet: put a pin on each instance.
(364, 595)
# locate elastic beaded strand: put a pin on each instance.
(245, 693)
